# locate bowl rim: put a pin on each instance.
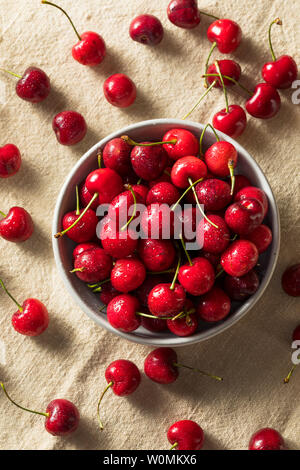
(175, 341)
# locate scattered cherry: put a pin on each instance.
(119, 90)
(229, 68)
(266, 439)
(146, 29)
(10, 160)
(17, 225)
(226, 34)
(241, 288)
(34, 86)
(186, 435)
(232, 122)
(69, 127)
(264, 103)
(239, 258)
(184, 13)
(290, 280)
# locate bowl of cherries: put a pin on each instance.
(166, 232)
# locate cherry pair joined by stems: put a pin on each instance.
(10, 160)
(34, 86)
(17, 226)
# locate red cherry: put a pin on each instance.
(296, 333)
(239, 258)
(261, 237)
(141, 190)
(10, 160)
(119, 90)
(121, 313)
(214, 306)
(226, 33)
(163, 193)
(266, 439)
(17, 225)
(213, 259)
(157, 255)
(219, 157)
(146, 29)
(82, 247)
(34, 86)
(107, 293)
(155, 325)
(93, 265)
(265, 102)
(127, 275)
(214, 194)
(185, 326)
(157, 221)
(186, 144)
(121, 207)
(69, 127)
(244, 216)
(164, 301)
(291, 280)
(106, 182)
(148, 162)
(232, 123)
(188, 219)
(186, 435)
(184, 13)
(163, 178)
(116, 156)
(241, 288)
(84, 230)
(252, 192)
(214, 240)
(118, 244)
(144, 290)
(197, 278)
(187, 169)
(86, 196)
(229, 68)
(160, 365)
(241, 182)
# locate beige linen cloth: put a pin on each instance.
(69, 359)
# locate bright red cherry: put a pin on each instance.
(84, 230)
(197, 278)
(184, 13)
(187, 169)
(214, 240)
(34, 86)
(148, 162)
(239, 258)
(17, 225)
(226, 33)
(144, 290)
(86, 196)
(241, 288)
(157, 221)
(121, 208)
(157, 255)
(266, 439)
(220, 158)
(214, 194)
(93, 265)
(141, 190)
(118, 244)
(186, 435)
(10, 160)
(128, 274)
(166, 302)
(82, 247)
(161, 365)
(69, 127)
(105, 182)
(122, 313)
(119, 90)
(214, 306)
(265, 102)
(116, 156)
(232, 122)
(229, 68)
(244, 216)
(291, 280)
(186, 144)
(252, 192)
(241, 182)
(163, 193)
(185, 326)
(261, 237)
(146, 29)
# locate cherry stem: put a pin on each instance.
(183, 314)
(219, 273)
(208, 58)
(102, 308)
(279, 22)
(139, 181)
(185, 250)
(223, 86)
(200, 99)
(231, 79)
(168, 271)
(231, 170)
(287, 379)
(129, 141)
(184, 193)
(99, 157)
(2, 213)
(202, 137)
(77, 270)
(99, 403)
(77, 201)
(174, 445)
(98, 284)
(147, 315)
(61, 234)
(11, 73)
(9, 295)
(21, 407)
(134, 209)
(65, 13)
(220, 379)
(208, 14)
(172, 286)
(199, 206)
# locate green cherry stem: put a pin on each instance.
(2, 213)
(98, 284)
(61, 234)
(99, 403)
(22, 407)
(129, 141)
(168, 271)
(174, 445)
(99, 158)
(209, 15)
(219, 273)
(184, 193)
(231, 170)
(279, 22)
(214, 44)
(184, 314)
(202, 137)
(207, 374)
(223, 85)
(65, 13)
(200, 99)
(77, 270)
(77, 201)
(11, 73)
(185, 251)
(199, 206)
(134, 209)
(148, 315)
(9, 295)
(287, 379)
(172, 286)
(231, 79)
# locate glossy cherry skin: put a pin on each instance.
(128, 274)
(228, 67)
(185, 326)
(244, 216)
(232, 123)
(198, 278)
(119, 90)
(85, 229)
(96, 265)
(122, 206)
(187, 434)
(214, 194)
(184, 13)
(157, 221)
(187, 144)
(85, 197)
(290, 280)
(144, 290)
(226, 33)
(90, 50)
(163, 193)
(159, 365)
(33, 320)
(156, 325)
(69, 127)
(10, 160)
(121, 313)
(214, 306)
(63, 417)
(149, 162)
(17, 226)
(261, 237)
(125, 377)
(108, 292)
(241, 288)
(252, 192)
(264, 103)
(186, 168)
(241, 182)
(116, 156)
(146, 29)
(218, 156)
(164, 302)
(157, 255)
(118, 244)
(215, 240)
(163, 178)
(82, 247)
(281, 73)
(34, 86)
(266, 439)
(106, 182)
(239, 258)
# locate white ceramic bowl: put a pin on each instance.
(63, 247)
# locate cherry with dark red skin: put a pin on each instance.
(122, 206)
(244, 216)
(10, 160)
(188, 219)
(106, 182)
(157, 255)
(163, 178)
(86, 196)
(186, 435)
(70, 127)
(219, 156)
(116, 156)
(229, 68)
(232, 122)
(226, 33)
(296, 334)
(17, 226)
(119, 90)
(144, 290)
(163, 193)
(118, 244)
(184, 13)
(160, 366)
(148, 162)
(166, 302)
(82, 247)
(186, 144)
(84, 230)
(215, 240)
(252, 192)
(198, 278)
(290, 280)
(107, 293)
(155, 325)
(187, 169)
(241, 182)
(146, 29)
(213, 259)
(239, 258)
(264, 103)
(214, 194)
(280, 73)
(141, 190)
(214, 306)
(121, 313)
(185, 326)
(34, 86)
(266, 439)
(128, 274)
(153, 221)
(262, 237)
(93, 265)
(241, 288)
